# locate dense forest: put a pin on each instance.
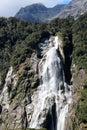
(19, 39)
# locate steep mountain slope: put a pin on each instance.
(40, 13)
(74, 8)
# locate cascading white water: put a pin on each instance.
(52, 90)
(11, 80)
(4, 95)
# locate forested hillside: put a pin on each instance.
(19, 40)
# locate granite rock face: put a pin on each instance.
(15, 98)
(74, 8)
(19, 91)
(16, 94)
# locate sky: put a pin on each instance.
(11, 7)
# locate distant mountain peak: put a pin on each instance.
(36, 4)
(37, 12)
(40, 4)
(40, 13)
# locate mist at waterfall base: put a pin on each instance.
(53, 94)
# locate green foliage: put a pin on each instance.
(79, 30)
(1, 121)
(85, 84)
(18, 39)
(81, 110)
(27, 129)
(74, 33)
(64, 26)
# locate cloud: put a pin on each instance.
(11, 7)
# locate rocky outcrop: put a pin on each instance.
(16, 94)
(15, 99)
(74, 8)
(19, 93)
(78, 79)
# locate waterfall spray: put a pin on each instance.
(53, 91)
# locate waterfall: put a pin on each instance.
(4, 95)
(10, 81)
(53, 94)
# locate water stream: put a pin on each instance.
(54, 95)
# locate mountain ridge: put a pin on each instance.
(74, 8)
(40, 13)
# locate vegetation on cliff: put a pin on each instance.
(19, 39)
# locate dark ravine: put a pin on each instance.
(40, 13)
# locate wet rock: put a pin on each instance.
(0, 109)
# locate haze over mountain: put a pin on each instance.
(39, 13)
(74, 8)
